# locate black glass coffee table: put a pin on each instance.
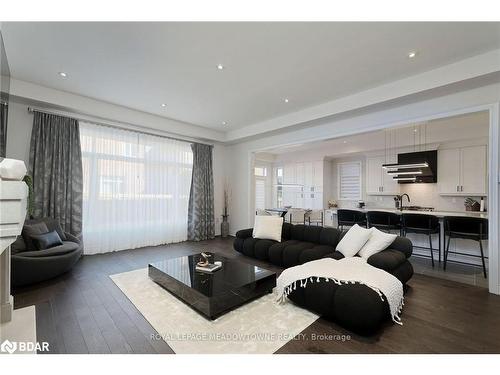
(212, 294)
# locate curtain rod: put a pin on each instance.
(111, 124)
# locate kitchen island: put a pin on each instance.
(420, 242)
(439, 214)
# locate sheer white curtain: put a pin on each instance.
(135, 189)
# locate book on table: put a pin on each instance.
(212, 267)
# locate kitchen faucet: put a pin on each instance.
(399, 198)
(407, 196)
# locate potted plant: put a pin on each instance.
(31, 199)
(471, 204)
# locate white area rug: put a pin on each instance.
(260, 327)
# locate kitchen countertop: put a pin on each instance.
(437, 213)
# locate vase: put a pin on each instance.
(224, 227)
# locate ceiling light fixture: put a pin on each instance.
(163, 105)
(224, 123)
(62, 74)
(286, 100)
(220, 67)
(396, 178)
(397, 172)
(405, 166)
(412, 54)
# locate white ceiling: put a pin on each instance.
(142, 65)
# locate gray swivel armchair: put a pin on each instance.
(30, 266)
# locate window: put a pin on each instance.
(260, 194)
(279, 187)
(349, 180)
(135, 188)
(260, 171)
(279, 175)
(110, 186)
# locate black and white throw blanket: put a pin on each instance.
(344, 271)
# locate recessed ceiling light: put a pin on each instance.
(286, 100)
(345, 142)
(163, 105)
(220, 67)
(62, 74)
(412, 54)
(224, 123)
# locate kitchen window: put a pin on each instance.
(349, 180)
(260, 171)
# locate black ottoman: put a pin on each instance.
(352, 306)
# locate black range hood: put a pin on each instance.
(414, 167)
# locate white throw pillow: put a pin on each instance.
(353, 240)
(377, 242)
(267, 228)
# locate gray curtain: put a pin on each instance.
(201, 221)
(4, 111)
(56, 168)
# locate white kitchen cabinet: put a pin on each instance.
(373, 176)
(474, 170)
(300, 177)
(308, 176)
(462, 171)
(378, 182)
(289, 176)
(317, 178)
(303, 184)
(389, 185)
(448, 179)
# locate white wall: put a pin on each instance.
(19, 125)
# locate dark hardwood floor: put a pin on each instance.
(83, 311)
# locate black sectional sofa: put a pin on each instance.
(353, 306)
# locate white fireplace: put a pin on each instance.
(18, 324)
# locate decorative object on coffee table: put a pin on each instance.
(205, 259)
(207, 264)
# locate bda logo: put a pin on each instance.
(8, 347)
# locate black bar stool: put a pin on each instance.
(383, 220)
(422, 224)
(470, 228)
(349, 218)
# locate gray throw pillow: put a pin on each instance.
(53, 224)
(46, 240)
(32, 230)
